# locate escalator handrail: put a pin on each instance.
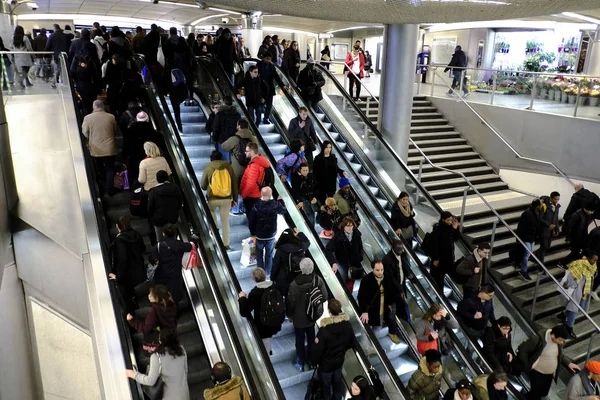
(438, 208)
(115, 294)
(385, 361)
(194, 216)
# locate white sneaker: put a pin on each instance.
(595, 296)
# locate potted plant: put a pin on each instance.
(545, 87)
(555, 91)
(584, 94)
(594, 96)
(571, 93)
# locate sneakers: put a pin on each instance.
(358, 100)
(394, 338)
(227, 248)
(466, 94)
(299, 366)
(525, 276)
(595, 296)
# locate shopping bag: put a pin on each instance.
(248, 252)
(160, 55)
(139, 203)
(189, 260)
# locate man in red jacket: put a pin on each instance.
(253, 176)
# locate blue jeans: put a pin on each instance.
(525, 260)
(302, 351)
(456, 81)
(332, 382)
(226, 154)
(310, 210)
(572, 314)
(267, 262)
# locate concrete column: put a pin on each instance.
(187, 29)
(397, 84)
(592, 62)
(252, 32)
(7, 23)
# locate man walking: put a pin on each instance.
(254, 175)
(549, 223)
(100, 129)
(577, 233)
(459, 62)
(164, 202)
(528, 229)
(477, 311)
(474, 270)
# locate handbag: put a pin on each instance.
(356, 272)
(422, 346)
(248, 252)
(151, 268)
(313, 389)
(156, 391)
(160, 55)
(138, 205)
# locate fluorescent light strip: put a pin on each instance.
(582, 17)
(222, 10)
(507, 24)
(87, 19)
(196, 22)
(355, 27)
(286, 30)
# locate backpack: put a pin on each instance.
(132, 119)
(294, 261)
(272, 307)
(177, 77)
(314, 302)
(268, 179)
(240, 155)
(83, 67)
(220, 183)
(459, 279)
(427, 244)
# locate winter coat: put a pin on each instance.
(22, 60)
(164, 203)
(225, 52)
(467, 309)
(209, 170)
(369, 296)
(483, 389)
(253, 175)
(262, 220)
(580, 386)
(264, 49)
(119, 45)
(310, 83)
(530, 350)
(133, 145)
(128, 259)
(169, 252)
(443, 237)
(578, 287)
(100, 129)
(158, 316)
(232, 145)
(399, 220)
(578, 200)
(577, 230)
(83, 48)
(423, 386)
(225, 124)
(594, 240)
(459, 59)
(392, 267)
(269, 74)
(350, 63)
(495, 347)
(255, 90)
(281, 273)
(101, 44)
(296, 299)
(289, 165)
(326, 172)
(346, 203)
(549, 217)
(148, 169)
(177, 55)
(233, 389)
(276, 51)
(295, 132)
(291, 57)
(329, 220)
(341, 251)
(334, 339)
(39, 43)
(253, 303)
(210, 123)
(58, 42)
(174, 373)
(529, 225)
(138, 44)
(88, 81)
(467, 267)
(151, 43)
(424, 328)
(304, 188)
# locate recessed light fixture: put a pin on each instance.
(582, 17)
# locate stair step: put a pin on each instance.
(428, 122)
(431, 128)
(485, 222)
(465, 155)
(438, 143)
(439, 150)
(418, 137)
(425, 109)
(426, 115)
(476, 162)
(460, 183)
(468, 172)
(454, 192)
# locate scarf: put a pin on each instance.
(405, 211)
(581, 268)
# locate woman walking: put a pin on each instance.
(22, 62)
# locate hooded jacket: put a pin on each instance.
(422, 385)
(310, 82)
(529, 224)
(158, 316)
(296, 299)
(119, 45)
(280, 273)
(128, 258)
(459, 59)
(549, 217)
(335, 337)
(253, 303)
(346, 203)
(253, 175)
(443, 238)
(495, 347)
(232, 145)
(262, 219)
(177, 55)
(369, 296)
(342, 251)
(209, 170)
(225, 124)
(578, 200)
(164, 203)
(229, 390)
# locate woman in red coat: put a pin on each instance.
(355, 62)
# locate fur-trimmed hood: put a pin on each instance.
(233, 385)
(334, 319)
(425, 370)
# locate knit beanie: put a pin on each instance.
(330, 202)
(593, 366)
(142, 117)
(307, 266)
(344, 182)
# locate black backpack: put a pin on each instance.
(427, 243)
(241, 151)
(294, 261)
(459, 279)
(83, 67)
(268, 179)
(272, 311)
(314, 301)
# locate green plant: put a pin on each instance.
(549, 57)
(532, 44)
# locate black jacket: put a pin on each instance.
(119, 45)
(177, 55)
(335, 337)
(280, 273)
(291, 57)
(133, 145)
(326, 172)
(549, 217)
(443, 238)
(529, 224)
(169, 253)
(578, 200)
(392, 267)
(262, 219)
(269, 74)
(58, 42)
(329, 220)
(577, 230)
(531, 349)
(310, 82)
(151, 43)
(369, 296)
(295, 132)
(225, 52)
(225, 124)
(254, 89)
(399, 220)
(253, 303)
(128, 259)
(164, 203)
(467, 309)
(495, 347)
(594, 240)
(467, 267)
(340, 250)
(304, 188)
(459, 59)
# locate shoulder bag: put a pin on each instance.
(156, 391)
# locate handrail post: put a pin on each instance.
(495, 81)
(533, 90)
(589, 352)
(535, 293)
(419, 82)
(433, 81)
(492, 239)
(462, 208)
(578, 96)
(463, 75)
(368, 105)
(420, 170)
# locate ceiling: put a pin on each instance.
(321, 15)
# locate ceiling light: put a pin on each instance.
(202, 4)
(582, 17)
(222, 10)
(196, 22)
(286, 30)
(32, 5)
(355, 27)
